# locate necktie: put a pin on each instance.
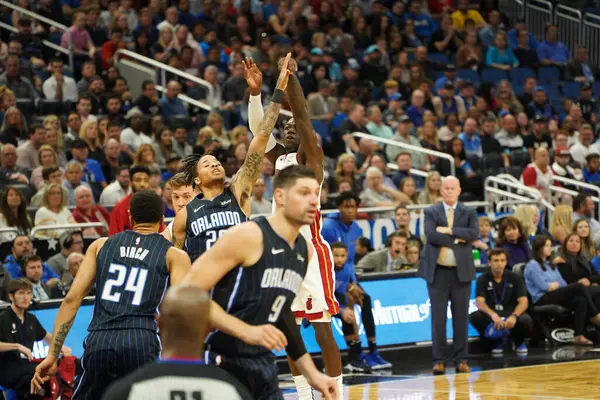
(446, 256)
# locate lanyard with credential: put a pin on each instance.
(499, 306)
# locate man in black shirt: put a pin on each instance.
(148, 100)
(181, 373)
(539, 136)
(19, 330)
(489, 144)
(587, 103)
(502, 301)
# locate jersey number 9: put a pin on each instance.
(276, 309)
(136, 281)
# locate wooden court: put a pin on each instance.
(569, 380)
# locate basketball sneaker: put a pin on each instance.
(498, 350)
(357, 366)
(377, 361)
(521, 349)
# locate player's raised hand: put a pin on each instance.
(266, 336)
(324, 384)
(253, 76)
(42, 374)
(284, 73)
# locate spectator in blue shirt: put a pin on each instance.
(21, 247)
(416, 110)
(488, 34)
(513, 35)
(92, 170)
(424, 24)
(185, 16)
(591, 172)
(500, 56)
(170, 104)
(470, 138)
(547, 286)
(551, 51)
(450, 75)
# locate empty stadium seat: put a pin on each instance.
(26, 106)
(552, 91)
(515, 171)
(519, 158)
(178, 121)
(493, 75)
(475, 162)
(48, 107)
(518, 76)
(469, 74)
(571, 90)
(548, 75)
(493, 162)
(440, 58)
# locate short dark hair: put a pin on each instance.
(46, 172)
(137, 169)
(345, 196)
(579, 200)
(19, 284)
(396, 234)
(497, 252)
(365, 242)
(18, 236)
(146, 206)
(26, 260)
(289, 175)
(35, 127)
(84, 97)
(112, 123)
(401, 207)
(339, 245)
(537, 246)
(117, 30)
(146, 83)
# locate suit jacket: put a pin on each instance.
(315, 105)
(575, 69)
(377, 261)
(465, 227)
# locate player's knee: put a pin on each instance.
(323, 333)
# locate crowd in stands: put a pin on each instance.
(456, 77)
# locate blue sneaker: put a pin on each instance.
(498, 350)
(378, 361)
(364, 358)
(357, 367)
(521, 349)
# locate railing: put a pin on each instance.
(45, 20)
(513, 9)
(187, 99)
(413, 171)
(511, 203)
(537, 14)
(569, 24)
(410, 147)
(9, 230)
(491, 188)
(67, 227)
(582, 185)
(591, 36)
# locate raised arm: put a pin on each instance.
(245, 178)
(309, 146)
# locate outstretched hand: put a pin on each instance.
(285, 73)
(252, 75)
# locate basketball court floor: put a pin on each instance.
(567, 372)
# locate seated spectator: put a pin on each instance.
(514, 32)
(50, 175)
(363, 247)
(91, 169)
(546, 286)
(346, 169)
(171, 104)
(16, 368)
(22, 246)
(375, 126)
(409, 188)
(15, 81)
(551, 51)
(512, 239)
(470, 54)
(10, 172)
(505, 308)
(448, 103)
(561, 223)
(425, 26)
(28, 151)
(73, 263)
(580, 69)
(582, 229)
(14, 126)
(388, 259)
(489, 34)
(53, 211)
(145, 156)
(450, 129)
(540, 105)
(13, 214)
(404, 164)
(59, 86)
(31, 268)
(403, 135)
(258, 204)
(88, 71)
(504, 100)
(402, 218)
(133, 136)
(378, 160)
(561, 167)
(529, 218)
(591, 171)
(584, 208)
(525, 54)
(500, 55)
(446, 39)
(46, 158)
(470, 138)
(507, 136)
(539, 136)
(583, 146)
(70, 242)
(322, 105)
(450, 75)
(486, 239)
(431, 193)
(416, 110)
(378, 195)
(181, 147)
(463, 14)
(470, 181)
(86, 211)
(90, 135)
(587, 103)
(575, 267)
(538, 174)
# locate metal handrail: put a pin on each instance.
(46, 43)
(187, 99)
(34, 15)
(560, 8)
(413, 171)
(582, 185)
(505, 203)
(162, 66)
(81, 226)
(9, 230)
(410, 147)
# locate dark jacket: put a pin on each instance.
(575, 268)
(517, 253)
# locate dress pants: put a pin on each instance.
(447, 287)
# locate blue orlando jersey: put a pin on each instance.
(207, 220)
(258, 294)
(131, 279)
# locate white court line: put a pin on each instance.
(509, 395)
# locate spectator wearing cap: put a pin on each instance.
(561, 167)
(538, 174)
(416, 110)
(591, 171)
(321, 105)
(403, 135)
(333, 68)
(372, 69)
(467, 94)
(580, 69)
(551, 51)
(450, 75)
(539, 136)
(526, 55)
(584, 145)
(508, 136)
(375, 126)
(471, 139)
(501, 299)
(448, 103)
(173, 165)
(514, 33)
(92, 170)
(540, 105)
(489, 34)
(587, 103)
(500, 55)
(424, 24)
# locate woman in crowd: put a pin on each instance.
(89, 133)
(523, 125)
(529, 217)
(346, 168)
(13, 214)
(450, 129)
(14, 124)
(404, 64)
(378, 160)
(417, 76)
(470, 54)
(157, 122)
(512, 238)
(53, 211)
(500, 55)
(240, 151)
(431, 194)
(561, 223)
(46, 157)
(409, 37)
(469, 180)
(582, 229)
(163, 146)
(413, 253)
(146, 157)
(547, 286)
(141, 44)
(428, 136)
(239, 134)
(165, 45)
(409, 188)
(215, 121)
(505, 99)
(103, 129)
(54, 137)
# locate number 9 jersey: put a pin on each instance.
(131, 279)
(207, 221)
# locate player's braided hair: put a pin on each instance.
(188, 168)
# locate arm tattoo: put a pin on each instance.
(267, 123)
(58, 339)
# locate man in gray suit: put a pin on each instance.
(447, 266)
(388, 259)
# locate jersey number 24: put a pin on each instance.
(136, 281)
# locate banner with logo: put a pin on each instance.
(401, 310)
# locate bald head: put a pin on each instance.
(183, 321)
(450, 190)
(542, 157)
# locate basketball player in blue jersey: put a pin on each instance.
(316, 300)
(254, 272)
(207, 217)
(131, 271)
